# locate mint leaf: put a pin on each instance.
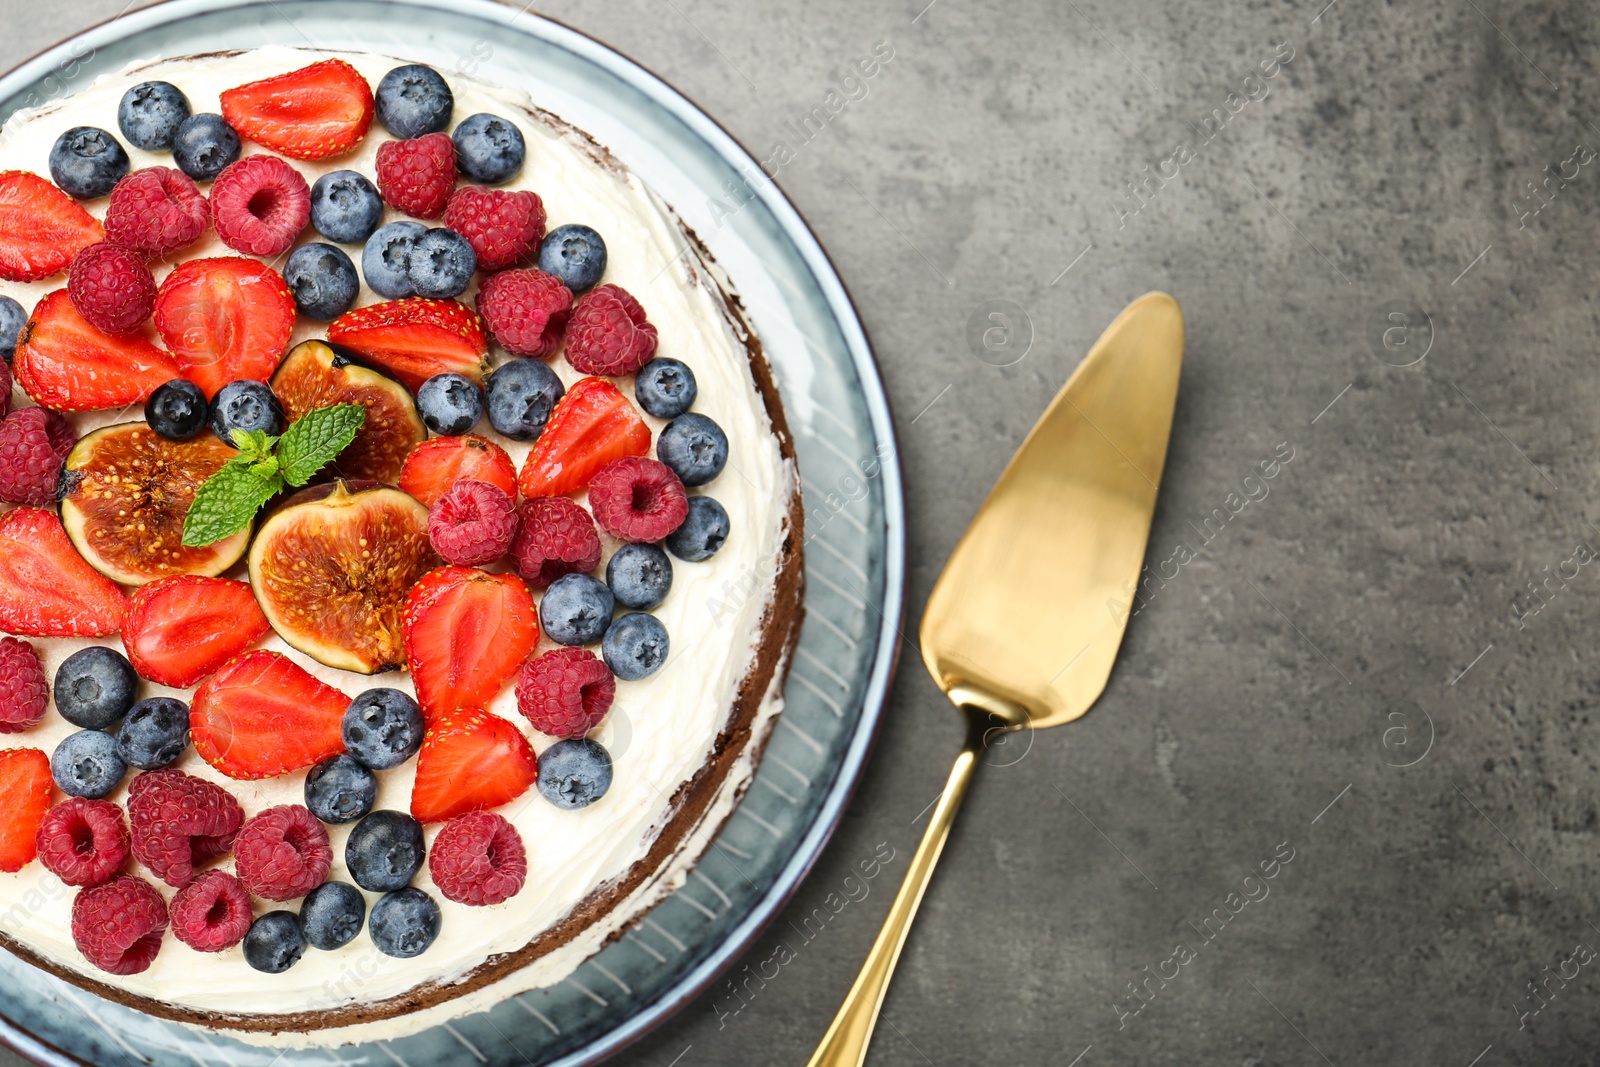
(227, 503)
(253, 445)
(313, 441)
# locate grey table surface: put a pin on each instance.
(1371, 675)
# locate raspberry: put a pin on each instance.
(156, 211)
(212, 912)
(118, 926)
(111, 288)
(33, 444)
(259, 205)
(180, 822)
(503, 227)
(283, 853)
(608, 333)
(566, 692)
(638, 499)
(24, 695)
(473, 523)
(417, 176)
(554, 537)
(83, 842)
(478, 859)
(526, 310)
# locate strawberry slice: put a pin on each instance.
(41, 228)
(182, 628)
(312, 113)
(591, 427)
(263, 715)
(434, 466)
(46, 588)
(25, 784)
(466, 633)
(470, 760)
(414, 339)
(67, 365)
(225, 319)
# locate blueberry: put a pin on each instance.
(386, 259)
(694, 447)
(635, 646)
(275, 943)
(450, 404)
(574, 774)
(576, 255)
(154, 734)
(489, 149)
(87, 161)
(340, 789)
(332, 915)
(640, 576)
(86, 764)
(95, 687)
(177, 410)
(150, 114)
(413, 101)
(12, 319)
(383, 728)
(665, 388)
(385, 851)
(702, 532)
(520, 395)
(246, 405)
(576, 609)
(441, 265)
(323, 280)
(205, 144)
(404, 923)
(345, 207)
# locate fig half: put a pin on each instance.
(315, 374)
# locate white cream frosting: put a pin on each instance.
(660, 731)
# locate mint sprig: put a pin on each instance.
(265, 465)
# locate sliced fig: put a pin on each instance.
(331, 569)
(315, 374)
(124, 495)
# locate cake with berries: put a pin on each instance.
(399, 544)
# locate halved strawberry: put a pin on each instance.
(312, 113)
(470, 760)
(67, 365)
(591, 427)
(414, 339)
(46, 588)
(41, 228)
(182, 628)
(225, 319)
(263, 715)
(25, 785)
(466, 633)
(434, 466)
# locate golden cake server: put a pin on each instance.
(1024, 624)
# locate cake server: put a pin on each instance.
(1024, 624)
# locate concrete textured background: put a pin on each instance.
(1355, 672)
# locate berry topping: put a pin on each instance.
(383, 728)
(12, 319)
(118, 926)
(520, 396)
(417, 176)
(46, 588)
(87, 162)
(182, 628)
(450, 404)
(608, 333)
(574, 774)
(84, 842)
(466, 632)
(33, 444)
(246, 405)
(95, 687)
(384, 851)
(156, 211)
(323, 280)
(635, 646)
(478, 859)
(441, 265)
(638, 499)
(555, 536)
(489, 149)
(592, 426)
(386, 259)
(504, 227)
(312, 113)
(332, 915)
(155, 733)
(434, 466)
(565, 692)
(526, 310)
(283, 853)
(205, 146)
(639, 575)
(472, 524)
(470, 761)
(275, 943)
(263, 715)
(25, 783)
(61, 360)
(180, 822)
(665, 388)
(150, 114)
(111, 288)
(576, 609)
(574, 254)
(404, 923)
(41, 229)
(212, 912)
(24, 696)
(345, 207)
(415, 339)
(259, 205)
(87, 764)
(702, 532)
(694, 447)
(177, 410)
(340, 789)
(414, 100)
